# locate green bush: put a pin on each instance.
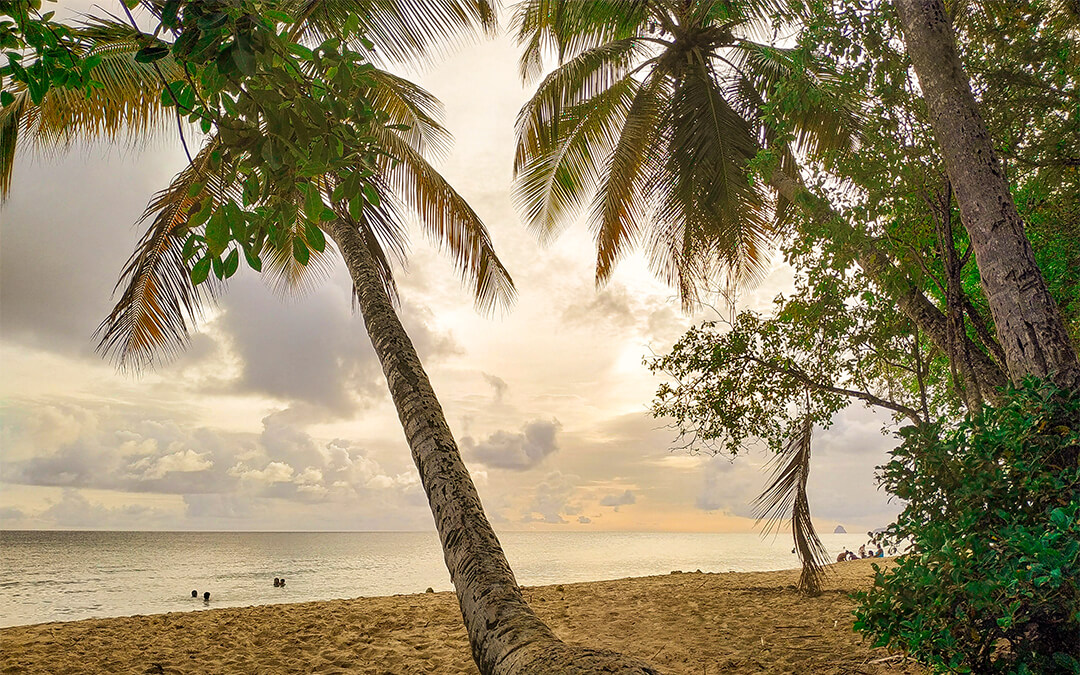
(991, 581)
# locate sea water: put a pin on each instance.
(69, 575)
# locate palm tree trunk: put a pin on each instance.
(1028, 321)
(983, 375)
(507, 638)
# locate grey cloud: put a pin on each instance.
(75, 510)
(623, 499)
(516, 451)
(498, 384)
(67, 230)
(585, 520)
(313, 350)
(610, 307)
(130, 451)
(550, 499)
(10, 515)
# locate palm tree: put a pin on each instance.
(159, 302)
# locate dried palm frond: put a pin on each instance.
(785, 494)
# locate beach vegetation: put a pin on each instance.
(990, 582)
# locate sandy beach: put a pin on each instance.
(687, 623)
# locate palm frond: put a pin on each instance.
(567, 28)
(619, 209)
(411, 105)
(404, 31)
(446, 218)
(127, 107)
(718, 222)
(287, 276)
(152, 318)
(559, 177)
(574, 83)
(822, 122)
(786, 493)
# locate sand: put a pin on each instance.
(688, 623)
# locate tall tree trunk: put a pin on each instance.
(1028, 321)
(984, 375)
(507, 638)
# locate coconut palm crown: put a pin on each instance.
(157, 303)
(650, 121)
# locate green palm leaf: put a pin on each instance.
(405, 31)
(674, 175)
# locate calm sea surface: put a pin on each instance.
(64, 576)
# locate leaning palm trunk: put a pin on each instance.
(507, 638)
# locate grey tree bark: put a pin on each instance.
(1028, 322)
(506, 637)
(983, 375)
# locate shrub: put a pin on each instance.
(990, 582)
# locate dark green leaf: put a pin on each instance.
(151, 54)
(314, 236)
(217, 233)
(300, 252)
(232, 262)
(253, 261)
(200, 271)
(371, 194)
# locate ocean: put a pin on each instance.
(70, 575)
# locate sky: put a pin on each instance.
(277, 416)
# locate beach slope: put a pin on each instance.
(686, 623)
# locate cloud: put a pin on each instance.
(74, 510)
(67, 232)
(129, 449)
(183, 461)
(623, 499)
(516, 451)
(550, 497)
(611, 307)
(498, 384)
(584, 520)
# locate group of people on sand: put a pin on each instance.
(863, 553)
(279, 582)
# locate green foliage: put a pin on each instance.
(42, 54)
(289, 119)
(832, 341)
(991, 582)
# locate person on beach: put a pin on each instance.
(880, 552)
(843, 556)
(206, 596)
(862, 551)
(852, 556)
(194, 594)
(277, 582)
(283, 581)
